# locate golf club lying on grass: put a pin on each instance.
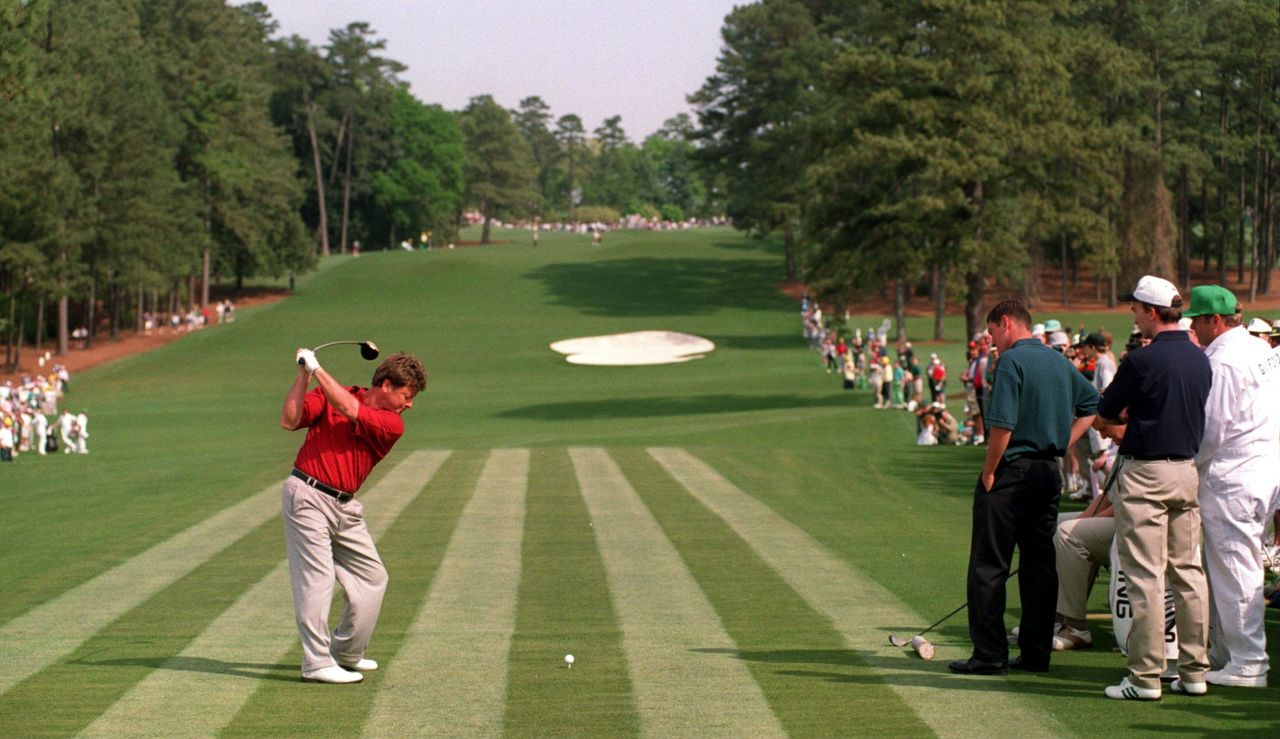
(920, 644)
(368, 349)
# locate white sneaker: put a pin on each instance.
(1227, 676)
(1065, 637)
(1188, 688)
(1127, 691)
(333, 675)
(364, 665)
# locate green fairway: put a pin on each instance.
(723, 544)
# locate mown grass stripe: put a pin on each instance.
(52, 630)
(449, 676)
(565, 608)
(177, 700)
(860, 609)
(670, 632)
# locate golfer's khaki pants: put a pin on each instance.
(1081, 545)
(1158, 535)
(327, 541)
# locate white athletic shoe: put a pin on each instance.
(333, 675)
(1127, 691)
(364, 665)
(1229, 677)
(1188, 688)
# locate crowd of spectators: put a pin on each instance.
(222, 311)
(26, 410)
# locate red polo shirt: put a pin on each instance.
(340, 452)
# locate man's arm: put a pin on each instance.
(1078, 427)
(997, 443)
(338, 396)
(291, 413)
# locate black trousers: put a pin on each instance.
(1021, 510)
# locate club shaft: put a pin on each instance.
(962, 606)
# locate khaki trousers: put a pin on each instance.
(327, 541)
(1158, 534)
(1081, 544)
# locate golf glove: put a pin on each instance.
(307, 358)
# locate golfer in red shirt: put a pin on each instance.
(348, 431)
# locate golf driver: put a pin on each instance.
(920, 644)
(368, 349)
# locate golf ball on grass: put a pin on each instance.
(568, 661)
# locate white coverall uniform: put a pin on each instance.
(82, 443)
(1238, 462)
(40, 428)
(64, 427)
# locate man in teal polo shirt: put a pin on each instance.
(1039, 405)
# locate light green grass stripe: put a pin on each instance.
(860, 609)
(449, 676)
(670, 630)
(175, 700)
(52, 630)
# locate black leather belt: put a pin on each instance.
(329, 491)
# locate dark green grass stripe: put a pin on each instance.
(565, 608)
(812, 682)
(412, 550)
(108, 665)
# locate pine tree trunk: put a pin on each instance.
(900, 307)
(1066, 287)
(1184, 231)
(64, 308)
(39, 320)
(975, 286)
(204, 280)
(346, 191)
(322, 231)
(789, 244)
(91, 313)
(939, 300)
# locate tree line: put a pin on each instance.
(947, 145)
(150, 148)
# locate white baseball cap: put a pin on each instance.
(1037, 330)
(1059, 338)
(1259, 326)
(1156, 291)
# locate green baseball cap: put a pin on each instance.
(1211, 300)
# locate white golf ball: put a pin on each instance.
(568, 660)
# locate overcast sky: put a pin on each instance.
(596, 58)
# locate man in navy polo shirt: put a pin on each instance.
(1038, 406)
(1164, 387)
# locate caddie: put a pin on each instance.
(349, 430)
(1238, 462)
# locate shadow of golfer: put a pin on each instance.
(253, 670)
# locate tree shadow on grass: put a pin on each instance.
(255, 670)
(760, 343)
(652, 286)
(658, 407)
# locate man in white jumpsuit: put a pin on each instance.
(66, 427)
(1237, 461)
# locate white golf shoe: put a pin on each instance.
(332, 675)
(1127, 691)
(364, 665)
(1188, 688)
(1230, 677)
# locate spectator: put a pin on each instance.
(1039, 405)
(6, 439)
(1237, 461)
(937, 380)
(1164, 387)
(1260, 329)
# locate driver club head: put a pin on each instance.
(369, 350)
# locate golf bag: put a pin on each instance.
(51, 440)
(1122, 615)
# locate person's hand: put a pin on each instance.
(988, 481)
(307, 358)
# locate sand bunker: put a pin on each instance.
(636, 348)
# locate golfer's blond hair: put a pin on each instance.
(403, 370)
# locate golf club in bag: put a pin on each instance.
(922, 646)
(368, 349)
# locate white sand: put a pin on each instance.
(636, 348)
